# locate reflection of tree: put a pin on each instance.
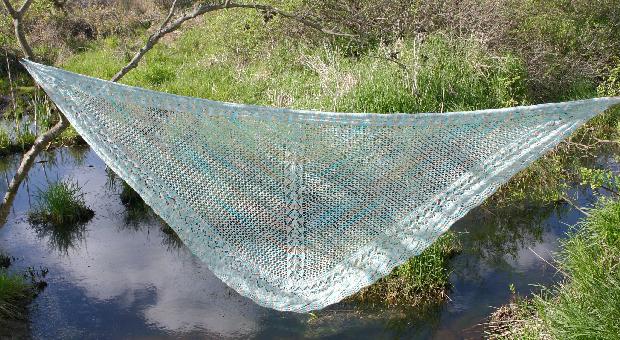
(7, 164)
(136, 210)
(79, 154)
(343, 319)
(138, 214)
(492, 233)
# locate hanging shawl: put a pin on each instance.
(298, 209)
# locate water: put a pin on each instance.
(123, 276)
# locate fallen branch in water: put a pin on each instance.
(574, 205)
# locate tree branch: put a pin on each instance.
(168, 27)
(9, 8)
(28, 159)
(17, 16)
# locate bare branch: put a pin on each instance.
(28, 159)
(170, 13)
(17, 16)
(295, 17)
(9, 8)
(568, 200)
(168, 27)
(24, 7)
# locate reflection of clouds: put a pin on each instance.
(118, 265)
(538, 254)
(187, 296)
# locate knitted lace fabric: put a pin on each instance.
(299, 209)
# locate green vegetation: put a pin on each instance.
(69, 137)
(423, 279)
(445, 72)
(15, 292)
(585, 305)
(20, 143)
(61, 205)
(409, 57)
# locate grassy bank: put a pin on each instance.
(15, 294)
(583, 306)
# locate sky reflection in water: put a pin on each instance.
(123, 276)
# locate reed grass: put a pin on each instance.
(61, 204)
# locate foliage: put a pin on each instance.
(422, 279)
(599, 178)
(61, 205)
(69, 137)
(5, 141)
(21, 142)
(611, 86)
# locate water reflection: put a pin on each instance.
(170, 239)
(79, 154)
(128, 269)
(62, 239)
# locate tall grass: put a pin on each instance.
(422, 279)
(235, 58)
(61, 204)
(586, 305)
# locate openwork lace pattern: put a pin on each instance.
(299, 209)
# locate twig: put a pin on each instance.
(574, 205)
(17, 16)
(169, 26)
(547, 262)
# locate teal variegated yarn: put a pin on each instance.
(299, 209)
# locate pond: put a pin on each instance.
(123, 275)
